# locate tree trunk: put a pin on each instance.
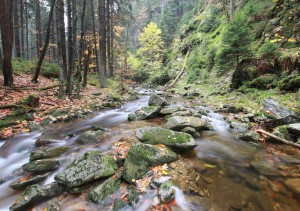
(16, 29)
(38, 27)
(111, 60)
(102, 41)
(6, 14)
(95, 41)
(70, 49)
(22, 28)
(232, 8)
(44, 50)
(62, 36)
(26, 30)
(108, 19)
(86, 66)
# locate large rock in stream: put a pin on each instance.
(48, 153)
(156, 100)
(141, 156)
(93, 165)
(145, 113)
(24, 183)
(175, 140)
(280, 115)
(37, 194)
(40, 166)
(102, 191)
(180, 122)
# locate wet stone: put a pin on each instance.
(37, 194)
(145, 113)
(166, 191)
(250, 136)
(178, 123)
(104, 190)
(156, 100)
(265, 168)
(89, 137)
(48, 153)
(175, 140)
(39, 166)
(93, 165)
(22, 184)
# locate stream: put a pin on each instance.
(238, 175)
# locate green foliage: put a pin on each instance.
(149, 58)
(236, 43)
(210, 22)
(291, 83)
(268, 50)
(49, 70)
(266, 81)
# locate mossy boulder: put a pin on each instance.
(36, 194)
(89, 167)
(39, 166)
(294, 129)
(104, 190)
(291, 83)
(145, 113)
(156, 100)
(24, 183)
(178, 123)
(48, 153)
(141, 156)
(250, 136)
(267, 81)
(166, 191)
(31, 101)
(175, 140)
(89, 137)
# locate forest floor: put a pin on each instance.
(50, 108)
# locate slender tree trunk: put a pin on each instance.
(82, 36)
(70, 49)
(6, 17)
(22, 28)
(38, 27)
(232, 8)
(62, 36)
(86, 66)
(108, 35)
(102, 33)
(111, 60)
(44, 50)
(95, 41)
(26, 30)
(16, 29)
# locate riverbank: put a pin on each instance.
(17, 117)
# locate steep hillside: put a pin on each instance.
(273, 28)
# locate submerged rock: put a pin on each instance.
(48, 153)
(265, 168)
(37, 194)
(175, 140)
(102, 191)
(294, 185)
(40, 142)
(166, 191)
(180, 122)
(156, 100)
(93, 165)
(89, 137)
(239, 126)
(39, 166)
(120, 205)
(24, 183)
(141, 156)
(145, 113)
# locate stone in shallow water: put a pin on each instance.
(166, 191)
(141, 156)
(294, 185)
(156, 100)
(175, 140)
(37, 194)
(22, 184)
(39, 166)
(265, 168)
(250, 136)
(93, 165)
(104, 190)
(145, 113)
(89, 137)
(48, 153)
(179, 122)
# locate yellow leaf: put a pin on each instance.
(209, 165)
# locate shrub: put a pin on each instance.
(267, 81)
(268, 50)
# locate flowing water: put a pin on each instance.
(234, 182)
